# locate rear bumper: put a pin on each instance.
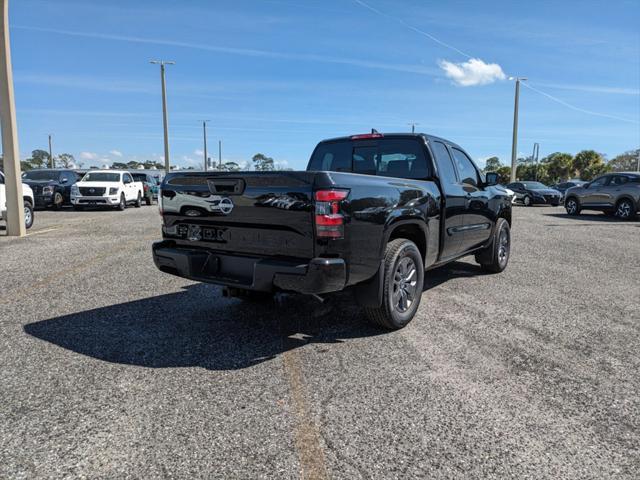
(319, 275)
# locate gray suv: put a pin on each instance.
(615, 194)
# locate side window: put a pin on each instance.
(402, 159)
(619, 180)
(445, 164)
(599, 182)
(466, 170)
(127, 178)
(332, 157)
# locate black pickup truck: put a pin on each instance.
(371, 213)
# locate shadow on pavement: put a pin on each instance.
(591, 217)
(438, 276)
(199, 327)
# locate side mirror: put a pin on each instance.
(492, 178)
(63, 180)
(586, 185)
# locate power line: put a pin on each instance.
(578, 109)
(411, 27)
(451, 47)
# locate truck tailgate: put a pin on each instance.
(261, 213)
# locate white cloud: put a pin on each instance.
(198, 152)
(115, 153)
(472, 72)
(88, 155)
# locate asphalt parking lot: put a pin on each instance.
(110, 368)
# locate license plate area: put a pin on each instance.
(196, 233)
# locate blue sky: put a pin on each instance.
(277, 76)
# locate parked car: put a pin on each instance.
(564, 186)
(371, 213)
(150, 185)
(51, 186)
(27, 201)
(615, 194)
(510, 192)
(113, 188)
(532, 193)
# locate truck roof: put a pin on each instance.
(363, 136)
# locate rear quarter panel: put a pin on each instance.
(375, 206)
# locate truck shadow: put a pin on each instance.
(199, 327)
(592, 217)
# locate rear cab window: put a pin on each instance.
(388, 157)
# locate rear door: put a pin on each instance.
(478, 217)
(455, 201)
(615, 189)
(261, 213)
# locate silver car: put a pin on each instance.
(615, 194)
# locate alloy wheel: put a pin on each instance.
(405, 280)
(503, 246)
(571, 206)
(27, 216)
(623, 210)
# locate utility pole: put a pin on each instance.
(413, 127)
(204, 138)
(51, 162)
(220, 153)
(12, 169)
(514, 143)
(534, 157)
(638, 170)
(165, 120)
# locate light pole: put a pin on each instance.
(204, 139)
(220, 153)
(514, 143)
(534, 157)
(165, 120)
(51, 162)
(12, 169)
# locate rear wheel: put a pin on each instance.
(625, 209)
(495, 257)
(28, 214)
(148, 200)
(57, 200)
(402, 286)
(572, 206)
(526, 201)
(138, 201)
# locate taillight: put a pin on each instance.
(329, 220)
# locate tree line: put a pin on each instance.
(558, 167)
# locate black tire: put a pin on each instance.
(28, 215)
(572, 206)
(138, 203)
(625, 209)
(148, 200)
(57, 200)
(402, 286)
(495, 257)
(123, 202)
(526, 201)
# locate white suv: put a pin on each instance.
(28, 202)
(113, 188)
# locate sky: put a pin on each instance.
(277, 76)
